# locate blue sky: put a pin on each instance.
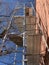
(8, 59)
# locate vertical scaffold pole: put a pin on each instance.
(23, 61)
(23, 49)
(15, 56)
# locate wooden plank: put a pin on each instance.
(33, 44)
(33, 47)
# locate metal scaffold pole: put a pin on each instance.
(15, 56)
(24, 40)
(23, 50)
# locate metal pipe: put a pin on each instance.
(23, 63)
(15, 56)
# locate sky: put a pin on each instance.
(8, 59)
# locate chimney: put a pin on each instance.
(28, 11)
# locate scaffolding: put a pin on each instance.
(31, 32)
